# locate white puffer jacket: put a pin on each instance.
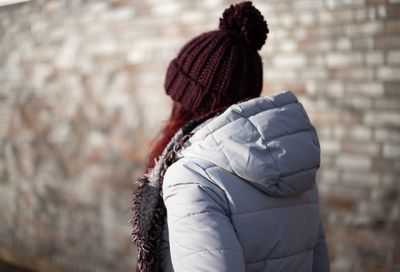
(242, 195)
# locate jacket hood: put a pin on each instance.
(267, 141)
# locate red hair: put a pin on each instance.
(178, 118)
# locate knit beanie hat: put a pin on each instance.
(220, 67)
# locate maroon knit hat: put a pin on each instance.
(220, 67)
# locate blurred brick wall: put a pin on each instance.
(81, 94)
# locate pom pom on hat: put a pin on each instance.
(246, 22)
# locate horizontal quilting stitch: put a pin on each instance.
(280, 257)
(278, 207)
(290, 134)
(298, 171)
(197, 213)
(211, 250)
(181, 183)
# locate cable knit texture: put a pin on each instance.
(220, 67)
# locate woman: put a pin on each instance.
(231, 180)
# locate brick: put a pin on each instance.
(361, 133)
(391, 151)
(306, 5)
(341, 59)
(121, 14)
(287, 21)
(374, 58)
(326, 17)
(381, 119)
(350, 193)
(300, 34)
(312, 87)
(340, 203)
(363, 43)
(389, 180)
(388, 73)
(382, 194)
(325, 31)
(387, 104)
(316, 60)
(344, 15)
(392, 26)
(193, 17)
(290, 60)
(66, 56)
(361, 148)
(329, 176)
(339, 132)
(387, 135)
(266, 7)
(98, 7)
(343, 3)
(373, 14)
(335, 89)
(282, 34)
(212, 4)
(394, 11)
(363, 179)
(166, 8)
(360, 15)
(362, 74)
(392, 89)
(332, 116)
(306, 18)
(324, 45)
(329, 146)
(358, 102)
(353, 162)
(366, 28)
(288, 46)
(282, 74)
(382, 11)
(313, 73)
(343, 44)
(352, 117)
(370, 89)
(393, 57)
(387, 42)
(375, 2)
(105, 48)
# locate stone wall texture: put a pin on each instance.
(81, 95)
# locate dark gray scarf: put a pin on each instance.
(148, 207)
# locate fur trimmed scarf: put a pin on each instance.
(148, 206)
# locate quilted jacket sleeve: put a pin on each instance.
(321, 256)
(201, 235)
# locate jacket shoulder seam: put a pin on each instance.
(204, 174)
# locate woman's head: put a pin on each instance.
(220, 67)
(214, 70)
